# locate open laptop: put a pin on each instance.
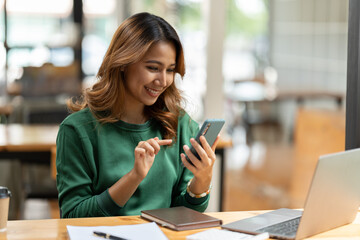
(332, 201)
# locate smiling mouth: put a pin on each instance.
(153, 92)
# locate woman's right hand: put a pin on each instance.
(145, 153)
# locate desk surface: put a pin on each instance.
(56, 228)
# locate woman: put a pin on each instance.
(122, 150)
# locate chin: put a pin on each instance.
(149, 103)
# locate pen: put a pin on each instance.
(107, 236)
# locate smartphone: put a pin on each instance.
(210, 130)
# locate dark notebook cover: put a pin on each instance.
(180, 218)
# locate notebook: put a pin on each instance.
(332, 201)
(180, 218)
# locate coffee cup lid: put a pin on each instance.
(4, 192)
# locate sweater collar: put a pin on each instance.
(131, 126)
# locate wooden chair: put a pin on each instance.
(317, 132)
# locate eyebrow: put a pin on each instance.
(157, 62)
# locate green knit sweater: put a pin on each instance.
(91, 157)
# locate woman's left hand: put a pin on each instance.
(201, 168)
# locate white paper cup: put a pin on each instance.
(5, 195)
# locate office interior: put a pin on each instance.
(275, 70)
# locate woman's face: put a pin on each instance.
(147, 79)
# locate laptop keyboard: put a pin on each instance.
(287, 228)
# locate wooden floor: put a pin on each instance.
(263, 181)
(258, 173)
(274, 170)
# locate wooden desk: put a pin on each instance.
(56, 228)
(27, 142)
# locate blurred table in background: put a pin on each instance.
(27, 142)
(258, 98)
(250, 91)
(29, 149)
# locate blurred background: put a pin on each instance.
(274, 69)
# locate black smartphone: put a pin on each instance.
(210, 130)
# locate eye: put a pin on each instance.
(152, 68)
(171, 70)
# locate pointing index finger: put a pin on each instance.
(164, 142)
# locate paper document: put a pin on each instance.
(149, 231)
(214, 233)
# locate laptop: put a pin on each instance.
(332, 201)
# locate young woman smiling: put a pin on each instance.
(122, 149)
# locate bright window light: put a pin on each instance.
(251, 8)
(96, 7)
(45, 7)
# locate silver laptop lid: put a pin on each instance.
(334, 195)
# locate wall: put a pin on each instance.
(308, 43)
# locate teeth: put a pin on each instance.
(152, 91)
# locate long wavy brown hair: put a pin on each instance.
(131, 41)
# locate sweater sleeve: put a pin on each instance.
(75, 174)
(182, 198)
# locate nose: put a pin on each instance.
(161, 79)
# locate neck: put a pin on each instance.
(134, 119)
(134, 115)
